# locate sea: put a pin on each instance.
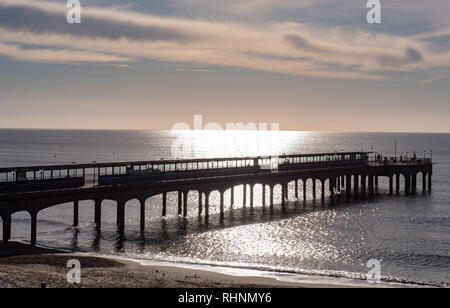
(408, 236)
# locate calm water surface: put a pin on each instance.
(410, 235)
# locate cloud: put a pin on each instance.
(58, 56)
(109, 35)
(33, 20)
(411, 56)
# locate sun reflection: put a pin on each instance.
(223, 143)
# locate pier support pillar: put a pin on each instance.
(6, 228)
(164, 204)
(413, 183)
(296, 189)
(98, 214)
(206, 206)
(314, 189)
(271, 196)
(286, 191)
(407, 184)
(322, 197)
(332, 185)
(232, 196)
(75, 213)
(283, 196)
(391, 184)
(264, 195)
(200, 203)
(222, 212)
(338, 183)
(180, 203)
(376, 181)
(185, 205)
(364, 184)
(304, 190)
(424, 182)
(371, 188)
(121, 216)
(252, 193)
(142, 214)
(356, 185)
(397, 183)
(348, 186)
(429, 181)
(244, 198)
(33, 228)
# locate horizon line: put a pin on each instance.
(224, 130)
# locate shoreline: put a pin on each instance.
(23, 266)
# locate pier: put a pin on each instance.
(343, 175)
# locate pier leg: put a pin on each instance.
(142, 202)
(33, 228)
(429, 181)
(185, 205)
(332, 185)
(180, 203)
(222, 213)
(323, 191)
(363, 184)
(356, 185)
(6, 228)
(206, 206)
(338, 183)
(391, 184)
(200, 203)
(264, 195)
(314, 189)
(164, 204)
(271, 197)
(286, 192)
(232, 197)
(371, 188)
(252, 192)
(283, 196)
(245, 195)
(397, 183)
(75, 213)
(424, 182)
(413, 183)
(304, 190)
(407, 184)
(348, 186)
(376, 181)
(121, 216)
(98, 214)
(296, 189)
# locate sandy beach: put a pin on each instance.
(22, 266)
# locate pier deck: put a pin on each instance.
(352, 174)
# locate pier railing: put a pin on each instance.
(37, 178)
(399, 161)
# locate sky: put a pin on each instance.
(305, 64)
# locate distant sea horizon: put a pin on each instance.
(282, 130)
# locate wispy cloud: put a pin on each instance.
(108, 35)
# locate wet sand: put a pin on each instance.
(22, 266)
